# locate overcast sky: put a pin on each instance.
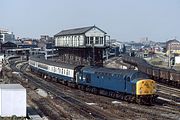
(124, 20)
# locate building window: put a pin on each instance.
(87, 40)
(91, 40)
(74, 37)
(97, 40)
(78, 40)
(101, 40)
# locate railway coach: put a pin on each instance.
(129, 85)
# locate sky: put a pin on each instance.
(124, 20)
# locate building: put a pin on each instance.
(44, 37)
(81, 37)
(8, 45)
(27, 43)
(6, 36)
(81, 46)
(46, 42)
(115, 48)
(47, 38)
(173, 46)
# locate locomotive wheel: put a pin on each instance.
(82, 87)
(127, 98)
(132, 99)
(150, 101)
(122, 97)
(138, 101)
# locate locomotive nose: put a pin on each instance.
(145, 87)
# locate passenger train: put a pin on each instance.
(129, 85)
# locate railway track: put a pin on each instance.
(87, 111)
(117, 62)
(153, 112)
(170, 90)
(171, 94)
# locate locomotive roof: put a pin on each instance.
(124, 72)
(53, 63)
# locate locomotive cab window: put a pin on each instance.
(124, 78)
(128, 79)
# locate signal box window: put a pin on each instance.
(87, 40)
(97, 40)
(91, 40)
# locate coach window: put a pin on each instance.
(66, 72)
(55, 69)
(62, 71)
(69, 72)
(58, 70)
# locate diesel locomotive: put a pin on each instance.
(129, 85)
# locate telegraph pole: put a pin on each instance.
(93, 53)
(169, 56)
(0, 42)
(109, 42)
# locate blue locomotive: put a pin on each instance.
(129, 85)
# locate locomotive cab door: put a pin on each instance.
(124, 79)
